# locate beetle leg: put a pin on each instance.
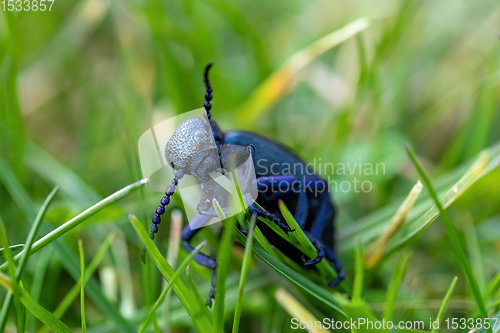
(302, 208)
(320, 248)
(187, 234)
(211, 293)
(274, 184)
(330, 255)
(265, 214)
(325, 215)
(243, 231)
(200, 258)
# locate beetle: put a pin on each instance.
(199, 146)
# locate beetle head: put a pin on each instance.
(192, 148)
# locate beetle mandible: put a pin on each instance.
(198, 146)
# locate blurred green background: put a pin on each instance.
(81, 83)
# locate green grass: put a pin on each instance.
(82, 286)
(94, 264)
(163, 294)
(24, 256)
(452, 233)
(202, 319)
(344, 81)
(245, 265)
(392, 292)
(442, 309)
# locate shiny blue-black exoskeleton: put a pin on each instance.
(305, 192)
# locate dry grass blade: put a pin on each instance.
(376, 250)
(452, 233)
(479, 168)
(295, 309)
(276, 85)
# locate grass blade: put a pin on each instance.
(359, 273)
(392, 292)
(452, 233)
(298, 233)
(478, 169)
(38, 286)
(247, 257)
(264, 251)
(43, 314)
(222, 267)
(68, 259)
(25, 255)
(80, 218)
(451, 187)
(259, 236)
(36, 309)
(160, 300)
(15, 291)
(375, 252)
(14, 249)
(200, 315)
(307, 247)
(91, 268)
(474, 253)
(191, 284)
(295, 309)
(492, 286)
(82, 285)
(444, 305)
(174, 244)
(298, 279)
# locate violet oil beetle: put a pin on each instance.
(198, 146)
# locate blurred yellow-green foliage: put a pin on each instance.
(81, 83)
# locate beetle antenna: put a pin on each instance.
(160, 210)
(208, 107)
(208, 93)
